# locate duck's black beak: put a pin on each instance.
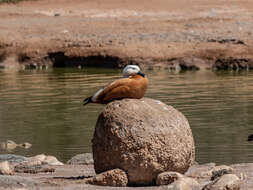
(141, 73)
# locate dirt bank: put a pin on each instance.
(178, 34)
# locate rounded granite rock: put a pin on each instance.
(144, 138)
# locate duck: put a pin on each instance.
(133, 84)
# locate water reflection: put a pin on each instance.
(44, 108)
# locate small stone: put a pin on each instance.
(211, 164)
(176, 180)
(8, 145)
(6, 169)
(81, 159)
(31, 162)
(166, 178)
(200, 171)
(51, 160)
(225, 182)
(65, 31)
(25, 145)
(12, 158)
(115, 178)
(40, 157)
(180, 185)
(218, 171)
(33, 169)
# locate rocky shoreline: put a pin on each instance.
(18, 172)
(162, 34)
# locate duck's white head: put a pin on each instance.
(130, 70)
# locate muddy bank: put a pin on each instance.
(204, 35)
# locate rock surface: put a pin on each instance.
(5, 168)
(208, 171)
(52, 160)
(81, 159)
(12, 158)
(184, 184)
(198, 171)
(43, 159)
(14, 182)
(166, 178)
(8, 145)
(219, 171)
(25, 145)
(144, 138)
(226, 182)
(116, 178)
(176, 179)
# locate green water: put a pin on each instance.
(45, 109)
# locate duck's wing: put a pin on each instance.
(116, 90)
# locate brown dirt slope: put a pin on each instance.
(182, 34)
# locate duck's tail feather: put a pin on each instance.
(250, 137)
(87, 100)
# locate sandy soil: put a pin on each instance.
(193, 34)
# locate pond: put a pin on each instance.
(44, 107)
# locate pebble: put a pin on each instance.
(6, 169)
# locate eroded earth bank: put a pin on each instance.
(177, 34)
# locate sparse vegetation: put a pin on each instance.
(10, 1)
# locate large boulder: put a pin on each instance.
(144, 138)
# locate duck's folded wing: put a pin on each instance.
(119, 92)
(115, 90)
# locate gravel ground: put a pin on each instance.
(66, 177)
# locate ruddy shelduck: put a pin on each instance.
(133, 85)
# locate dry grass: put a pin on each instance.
(10, 1)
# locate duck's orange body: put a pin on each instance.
(134, 86)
